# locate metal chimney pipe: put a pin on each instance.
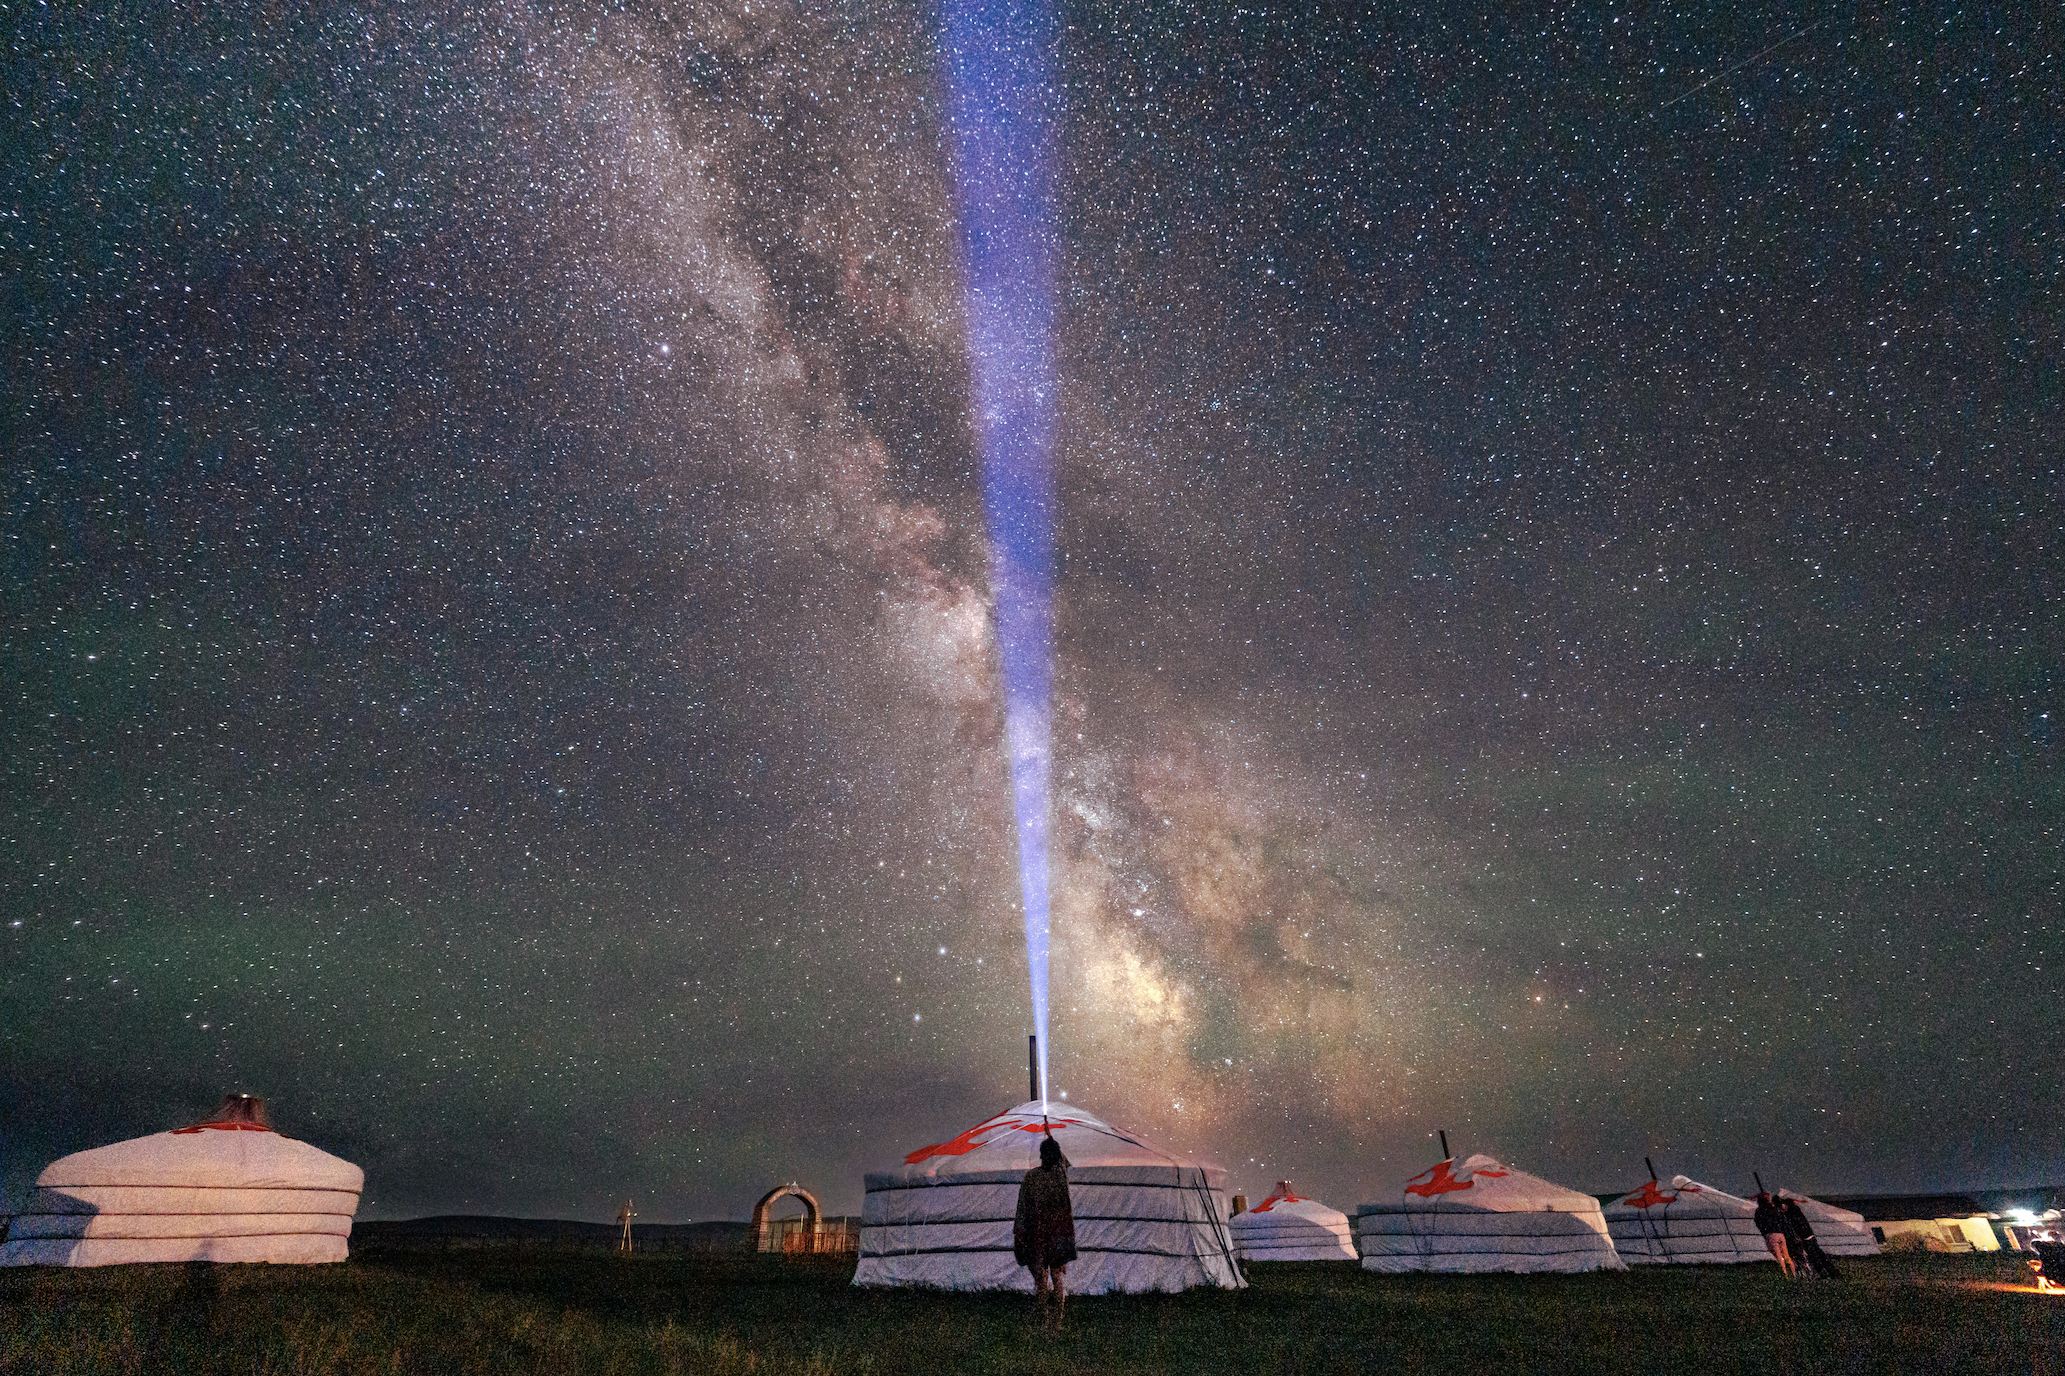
(1443, 1134)
(1032, 1065)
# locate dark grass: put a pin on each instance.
(534, 1308)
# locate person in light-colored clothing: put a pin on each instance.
(1771, 1223)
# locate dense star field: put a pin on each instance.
(1557, 619)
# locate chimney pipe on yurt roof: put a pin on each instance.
(1442, 1133)
(1032, 1066)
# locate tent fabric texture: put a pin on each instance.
(1479, 1215)
(1841, 1232)
(1687, 1223)
(229, 1189)
(1289, 1227)
(1145, 1220)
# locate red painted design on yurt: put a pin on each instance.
(1283, 1195)
(1648, 1197)
(967, 1141)
(238, 1113)
(1439, 1180)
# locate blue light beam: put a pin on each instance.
(1003, 112)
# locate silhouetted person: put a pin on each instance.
(1044, 1236)
(1810, 1253)
(2049, 1261)
(1771, 1223)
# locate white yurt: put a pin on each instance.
(1145, 1220)
(229, 1189)
(1478, 1215)
(1841, 1232)
(1289, 1227)
(1687, 1223)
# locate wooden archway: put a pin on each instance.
(813, 1216)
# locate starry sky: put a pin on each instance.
(1557, 615)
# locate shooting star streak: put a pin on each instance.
(1749, 61)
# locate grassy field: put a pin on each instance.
(514, 1308)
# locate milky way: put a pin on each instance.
(1557, 604)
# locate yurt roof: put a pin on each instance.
(1285, 1202)
(235, 1149)
(1282, 1194)
(1821, 1208)
(1010, 1143)
(1483, 1182)
(1685, 1196)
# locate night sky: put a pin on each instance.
(1558, 604)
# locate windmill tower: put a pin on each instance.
(624, 1216)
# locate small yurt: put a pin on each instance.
(1687, 1223)
(1145, 1220)
(1289, 1227)
(1841, 1232)
(229, 1189)
(1478, 1215)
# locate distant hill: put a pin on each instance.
(715, 1235)
(2035, 1199)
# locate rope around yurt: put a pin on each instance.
(1220, 1231)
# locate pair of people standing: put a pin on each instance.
(1791, 1238)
